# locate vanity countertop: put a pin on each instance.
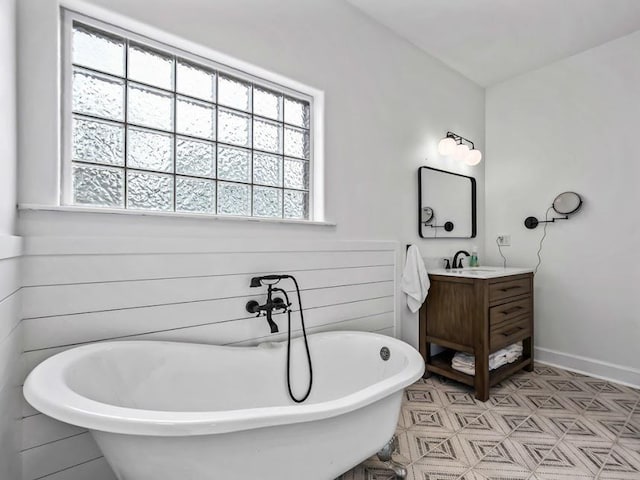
(481, 272)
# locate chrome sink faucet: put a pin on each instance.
(456, 263)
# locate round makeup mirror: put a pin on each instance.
(427, 215)
(567, 203)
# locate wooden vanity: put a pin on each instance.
(477, 313)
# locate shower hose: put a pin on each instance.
(306, 343)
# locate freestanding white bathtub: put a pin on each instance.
(169, 411)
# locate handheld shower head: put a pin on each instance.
(266, 280)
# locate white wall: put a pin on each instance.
(10, 331)
(8, 117)
(387, 105)
(573, 125)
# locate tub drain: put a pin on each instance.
(385, 353)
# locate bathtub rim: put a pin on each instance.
(46, 390)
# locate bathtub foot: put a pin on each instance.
(385, 455)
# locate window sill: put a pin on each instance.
(150, 213)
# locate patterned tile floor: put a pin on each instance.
(549, 424)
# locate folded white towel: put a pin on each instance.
(465, 369)
(466, 363)
(415, 280)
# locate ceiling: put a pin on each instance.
(491, 40)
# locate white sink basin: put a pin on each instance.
(472, 271)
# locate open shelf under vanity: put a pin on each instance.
(441, 364)
(478, 316)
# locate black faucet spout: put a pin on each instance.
(269, 306)
(456, 263)
(272, 325)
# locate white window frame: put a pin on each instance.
(71, 10)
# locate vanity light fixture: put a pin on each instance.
(459, 148)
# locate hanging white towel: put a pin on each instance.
(415, 281)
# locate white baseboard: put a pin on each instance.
(589, 366)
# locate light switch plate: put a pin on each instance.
(504, 240)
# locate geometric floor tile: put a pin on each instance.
(564, 385)
(549, 424)
(563, 460)
(427, 469)
(487, 422)
(428, 421)
(555, 404)
(562, 476)
(630, 430)
(533, 452)
(591, 454)
(472, 420)
(420, 395)
(480, 445)
(503, 469)
(563, 423)
(621, 463)
(420, 444)
(460, 398)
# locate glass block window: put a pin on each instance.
(152, 129)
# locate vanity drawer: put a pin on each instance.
(508, 332)
(508, 311)
(513, 288)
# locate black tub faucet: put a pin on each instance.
(456, 263)
(270, 305)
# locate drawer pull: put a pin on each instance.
(506, 289)
(511, 310)
(508, 333)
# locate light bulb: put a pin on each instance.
(461, 153)
(447, 146)
(474, 157)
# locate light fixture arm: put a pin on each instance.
(533, 222)
(460, 139)
(566, 204)
(448, 226)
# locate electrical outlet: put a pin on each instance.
(504, 240)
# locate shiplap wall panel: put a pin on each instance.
(39, 430)
(10, 358)
(9, 433)
(229, 313)
(97, 469)
(9, 277)
(10, 313)
(82, 290)
(11, 337)
(57, 456)
(26, 409)
(221, 333)
(101, 245)
(50, 300)
(66, 269)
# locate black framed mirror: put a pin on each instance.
(446, 204)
